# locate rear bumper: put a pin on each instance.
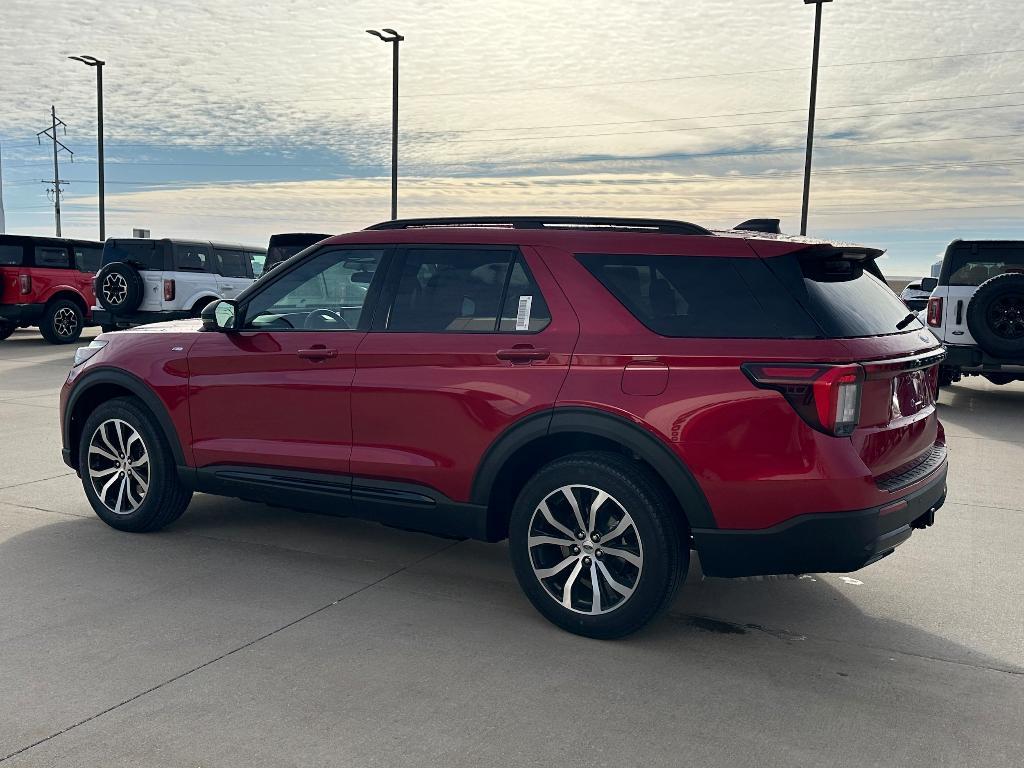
(976, 359)
(22, 314)
(104, 317)
(836, 542)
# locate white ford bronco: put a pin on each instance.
(976, 310)
(152, 280)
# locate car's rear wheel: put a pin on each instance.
(6, 329)
(62, 322)
(999, 379)
(596, 545)
(946, 375)
(128, 469)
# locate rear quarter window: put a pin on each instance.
(702, 296)
(190, 257)
(11, 255)
(53, 257)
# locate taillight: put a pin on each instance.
(168, 290)
(827, 397)
(25, 284)
(935, 311)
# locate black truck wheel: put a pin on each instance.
(995, 316)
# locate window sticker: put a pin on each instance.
(523, 316)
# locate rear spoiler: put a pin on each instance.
(866, 257)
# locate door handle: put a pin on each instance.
(525, 354)
(317, 353)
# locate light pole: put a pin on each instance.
(92, 61)
(394, 38)
(810, 112)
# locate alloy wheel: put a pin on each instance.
(585, 549)
(115, 288)
(118, 465)
(65, 322)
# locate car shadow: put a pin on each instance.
(244, 540)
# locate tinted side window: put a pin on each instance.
(701, 296)
(449, 290)
(88, 259)
(11, 255)
(231, 263)
(525, 309)
(256, 260)
(325, 292)
(192, 258)
(50, 256)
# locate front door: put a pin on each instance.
(467, 341)
(276, 393)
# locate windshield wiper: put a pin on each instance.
(906, 321)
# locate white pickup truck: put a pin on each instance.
(976, 309)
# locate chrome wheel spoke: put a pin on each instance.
(623, 525)
(620, 588)
(120, 495)
(629, 557)
(600, 499)
(543, 509)
(595, 586)
(547, 573)
(95, 449)
(571, 498)
(567, 589)
(109, 484)
(536, 541)
(103, 472)
(106, 439)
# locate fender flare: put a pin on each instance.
(629, 434)
(199, 296)
(72, 293)
(139, 389)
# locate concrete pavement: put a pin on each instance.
(248, 635)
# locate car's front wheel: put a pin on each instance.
(128, 469)
(596, 544)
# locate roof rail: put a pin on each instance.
(664, 226)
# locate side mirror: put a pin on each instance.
(219, 316)
(929, 284)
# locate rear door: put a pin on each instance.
(234, 271)
(277, 392)
(12, 257)
(469, 340)
(195, 274)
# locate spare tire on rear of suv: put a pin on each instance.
(119, 287)
(995, 315)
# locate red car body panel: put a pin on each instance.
(424, 408)
(47, 283)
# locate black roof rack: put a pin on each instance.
(664, 226)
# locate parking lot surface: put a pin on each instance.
(247, 635)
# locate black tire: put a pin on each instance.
(164, 500)
(946, 375)
(995, 315)
(119, 287)
(6, 329)
(62, 322)
(657, 535)
(108, 328)
(999, 379)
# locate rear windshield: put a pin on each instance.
(145, 254)
(974, 263)
(718, 297)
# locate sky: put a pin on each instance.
(234, 119)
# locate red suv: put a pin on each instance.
(609, 395)
(47, 281)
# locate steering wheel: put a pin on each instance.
(325, 318)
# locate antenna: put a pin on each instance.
(58, 146)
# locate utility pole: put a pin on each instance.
(51, 133)
(92, 61)
(3, 223)
(810, 112)
(394, 38)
